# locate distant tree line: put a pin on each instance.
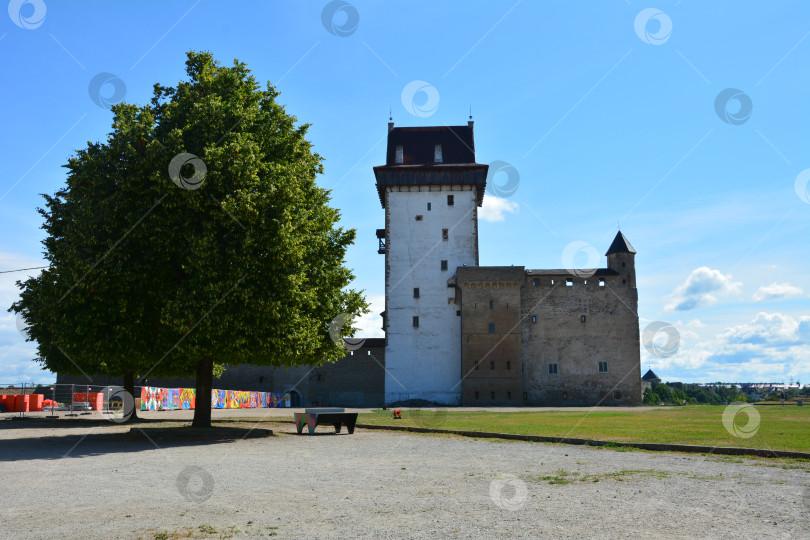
(675, 393)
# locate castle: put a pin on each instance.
(457, 333)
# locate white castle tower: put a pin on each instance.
(431, 188)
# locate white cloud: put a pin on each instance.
(370, 324)
(494, 208)
(776, 291)
(702, 288)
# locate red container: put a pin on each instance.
(36, 401)
(21, 403)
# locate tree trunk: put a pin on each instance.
(205, 379)
(129, 386)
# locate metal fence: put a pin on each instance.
(62, 399)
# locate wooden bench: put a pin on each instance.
(335, 416)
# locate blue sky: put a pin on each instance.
(608, 113)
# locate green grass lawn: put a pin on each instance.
(780, 428)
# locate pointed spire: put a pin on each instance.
(620, 245)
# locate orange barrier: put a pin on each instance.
(96, 399)
(36, 402)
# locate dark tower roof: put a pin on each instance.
(620, 245)
(418, 165)
(650, 376)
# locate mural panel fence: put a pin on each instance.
(163, 399)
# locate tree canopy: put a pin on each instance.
(194, 234)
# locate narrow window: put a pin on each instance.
(418, 218)
(525, 396)
(534, 318)
(536, 282)
(491, 328)
(351, 353)
(476, 394)
(398, 157)
(416, 292)
(444, 265)
(368, 353)
(601, 282)
(428, 207)
(508, 395)
(437, 153)
(569, 282)
(450, 200)
(476, 366)
(491, 305)
(552, 282)
(261, 379)
(617, 395)
(492, 365)
(458, 313)
(603, 367)
(508, 364)
(582, 319)
(444, 234)
(416, 322)
(320, 376)
(492, 395)
(552, 368)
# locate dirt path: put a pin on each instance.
(82, 482)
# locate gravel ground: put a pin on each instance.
(92, 482)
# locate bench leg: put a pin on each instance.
(337, 428)
(350, 426)
(312, 421)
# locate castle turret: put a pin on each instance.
(621, 258)
(431, 188)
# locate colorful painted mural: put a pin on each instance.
(162, 399)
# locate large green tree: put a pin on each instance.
(194, 236)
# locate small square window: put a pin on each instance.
(508, 395)
(617, 394)
(399, 154)
(508, 364)
(320, 376)
(601, 282)
(603, 368)
(492, 395)
(552, 368)
(458, 313)
(582, 319)
(418, 218)
(445, 234)
(534, 319)
(450, 200)
(416, 292)
(416, 322)
(428, 207)
(492, 365)
(444, 265)
(261, 379)
(491, 328)
(437, 153)
(476, 395)
(569, 282)
(536, 282)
